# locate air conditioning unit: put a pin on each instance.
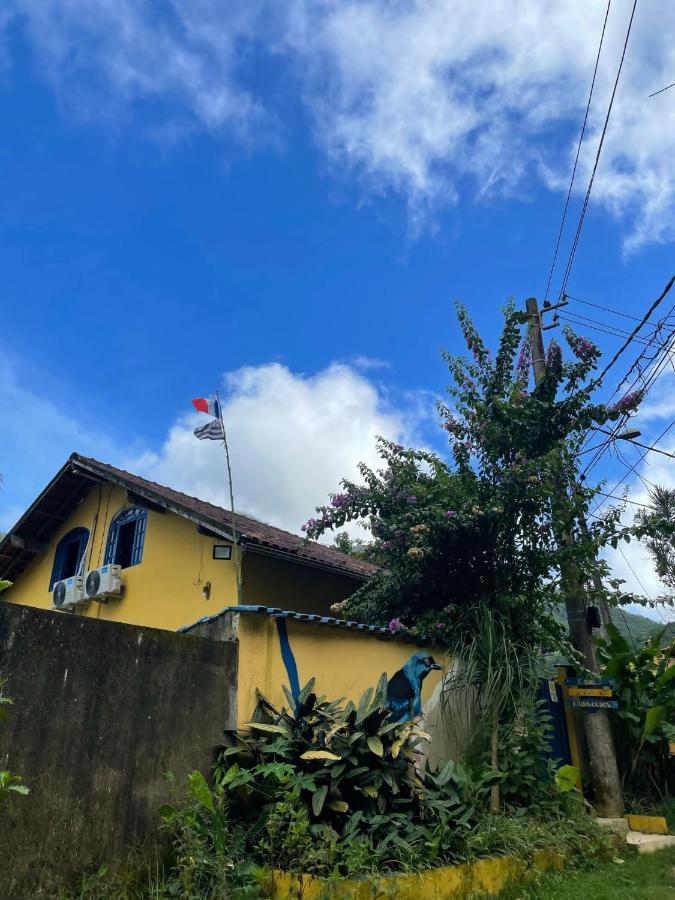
(69, 593)
(104, 583)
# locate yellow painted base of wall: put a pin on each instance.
(648, 824)
(452, 882)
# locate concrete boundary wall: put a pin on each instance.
(101, 711)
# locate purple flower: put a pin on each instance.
(339, 500)
(543, 529)
(524, 358)
(582, 348)
(627, 403)
(396, 625)
(411, 498)
(309, 524)
(554, 356)
(439, 625)
(450, 514)
(468, 445)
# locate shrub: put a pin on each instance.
(645, 720)
(331, 787)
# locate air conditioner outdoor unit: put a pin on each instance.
(104, 583)
(69, 593)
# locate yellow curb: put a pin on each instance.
(648, 824)
(445, 883)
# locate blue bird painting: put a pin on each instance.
(404, 688)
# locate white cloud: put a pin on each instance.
(292, 437)
(103, 55)
(426, 98)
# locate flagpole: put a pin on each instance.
(235, 545)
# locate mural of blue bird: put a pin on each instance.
(404, 688)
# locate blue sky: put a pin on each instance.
(285, 205)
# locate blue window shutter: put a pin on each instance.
(84, 540)
(79, 536)
(58, 565)
(139, 517)
(139, 539)
(111, 547)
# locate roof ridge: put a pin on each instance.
(313, 546)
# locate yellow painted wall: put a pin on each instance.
(276, 582)
(345, 663)
(163, 591)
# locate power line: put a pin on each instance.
(632, 335)
(636, 443)
(625, 500)
(667, 88)
(647, 338)
(648, 382)
(636, 464)
(630, 633)
(587, 323)
(582, 216)
(615, 312)
(576, 158)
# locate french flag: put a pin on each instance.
(210, 407)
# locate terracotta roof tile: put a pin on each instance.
(252, 530)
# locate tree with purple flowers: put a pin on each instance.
(470, 542)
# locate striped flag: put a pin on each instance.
(212, 431)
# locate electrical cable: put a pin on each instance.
(603, 329)
(632, 335)
(636, 464)
(576, 158)
(608, 309)
(647, 380)
(584, 209)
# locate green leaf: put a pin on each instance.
(264, 726)
(4, 584)
(375, 745)
(653, 719)
(338, 806)
(667, 676)
(19, 789)
(318, 798)
(566, 778)
(619, 643)
(319, 754)
(200, 790)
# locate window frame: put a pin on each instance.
(137, 514)
(79, 532)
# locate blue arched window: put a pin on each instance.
(126, 537)
(69, 554)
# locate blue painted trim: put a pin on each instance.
(289, 661)
(275, 612)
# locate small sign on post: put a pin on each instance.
(591, 694)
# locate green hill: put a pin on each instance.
(635, 628)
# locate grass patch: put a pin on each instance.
(649, 876)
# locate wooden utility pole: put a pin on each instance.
(605, 772)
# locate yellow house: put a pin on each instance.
(174, 552)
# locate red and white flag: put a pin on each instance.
(210, 407)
